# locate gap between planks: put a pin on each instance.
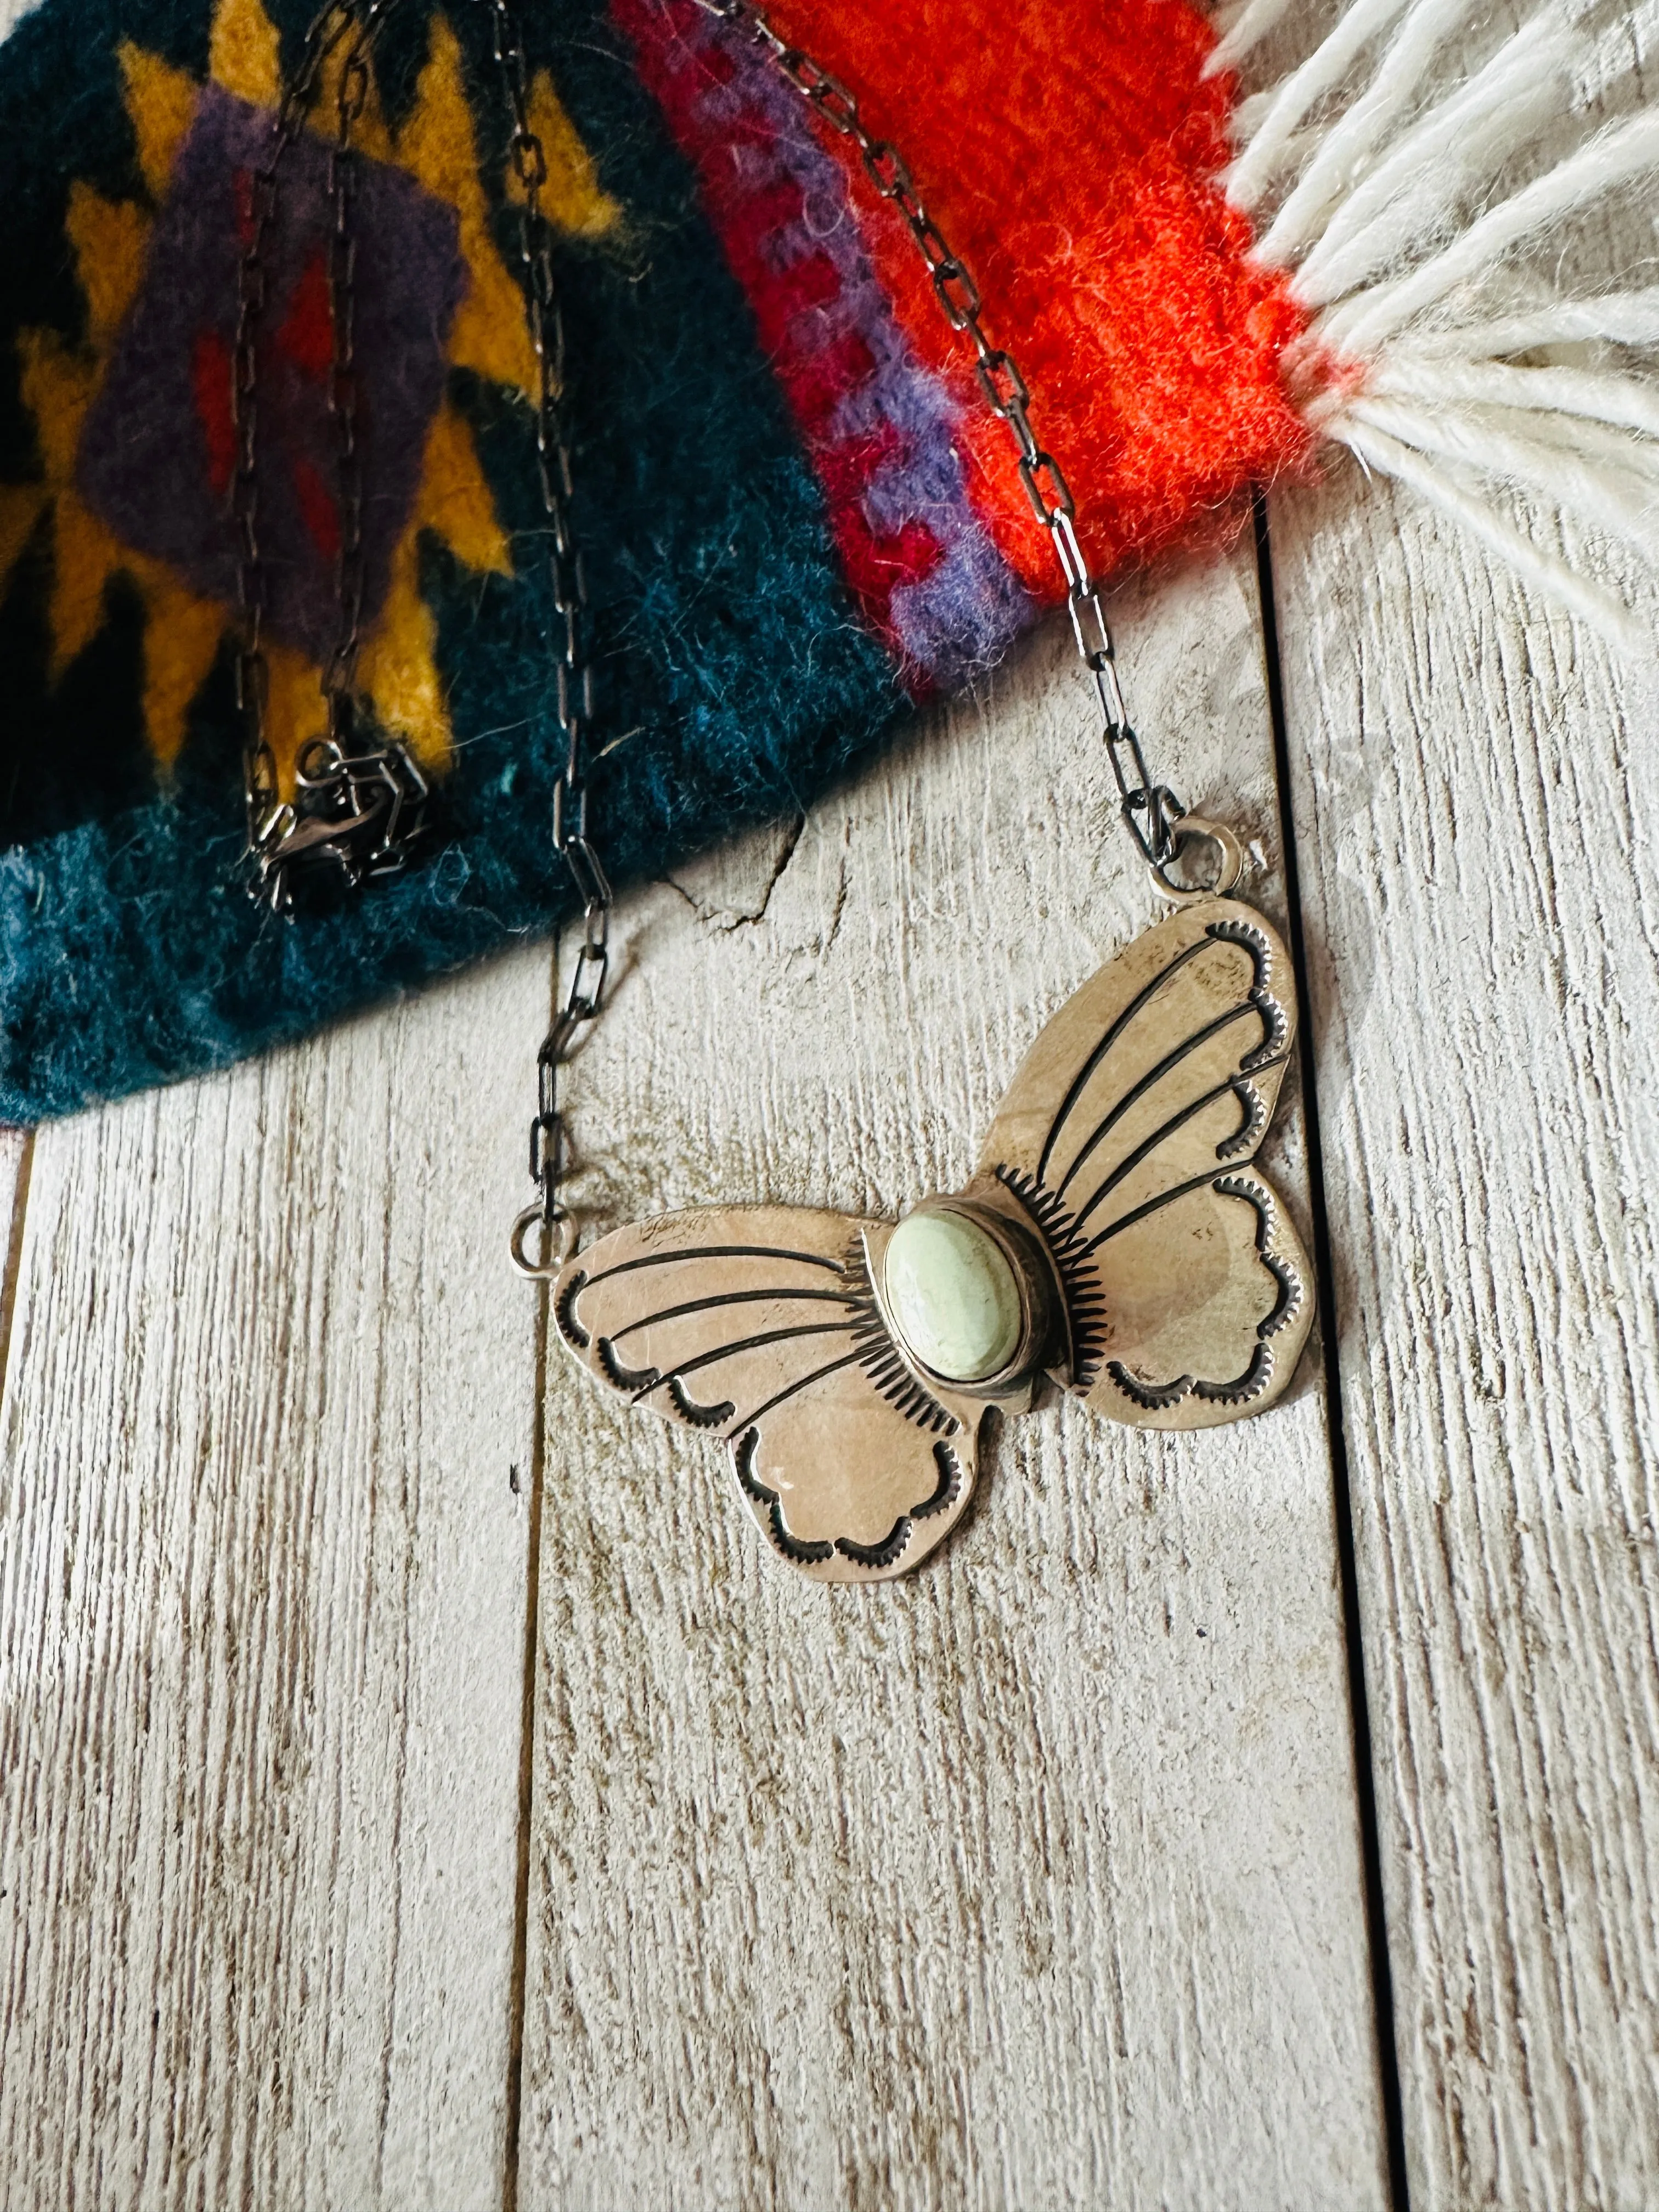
(1330, 1352)
(17, 1157)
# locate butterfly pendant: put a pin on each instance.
(1112, 1237)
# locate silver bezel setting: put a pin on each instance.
(1040, 1307)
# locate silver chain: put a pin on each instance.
(357, 809)
(259, 765)
(350, 101)
(1150, 809)
(548, 1219)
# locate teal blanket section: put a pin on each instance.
(734, 678)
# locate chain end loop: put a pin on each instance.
(557, 1240)
(1196, 830)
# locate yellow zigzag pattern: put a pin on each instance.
(397, 670)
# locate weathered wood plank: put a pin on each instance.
(1034, 1880)
(1478, 802)
(262, 1591)
(1476, 793)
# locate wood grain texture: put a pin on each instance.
(1478, 803)
(1033, 1879)
(262, 1592)
(16, 1155)
(1477, 798)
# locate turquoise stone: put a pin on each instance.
(954, 1294)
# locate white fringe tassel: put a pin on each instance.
(1379, 191)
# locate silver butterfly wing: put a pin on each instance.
(1126, 1140)
(757, 1324)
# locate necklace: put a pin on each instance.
(1113, 1236)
